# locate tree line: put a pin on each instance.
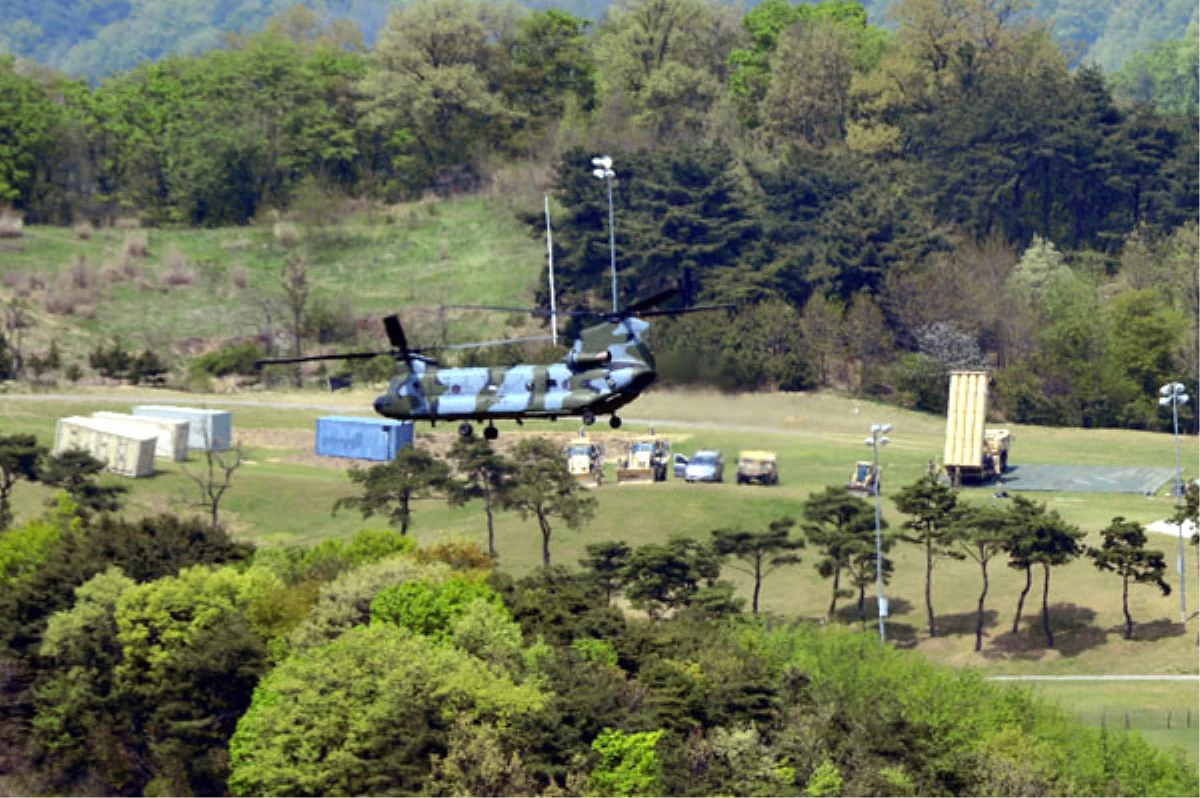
(157, 655)
(883, 206)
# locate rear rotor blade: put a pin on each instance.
(312, 358)
(481, 344)
(636, 308)
(680, 311)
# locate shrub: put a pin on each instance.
(430, 609)
(286, 234)
(82, 274)
(12, 223)
(230, 359)
(239, 278)
(137, 244)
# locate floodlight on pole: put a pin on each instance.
(604, 171)
(877, 439)
(1173, 394)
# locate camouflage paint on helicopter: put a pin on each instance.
(605, 369)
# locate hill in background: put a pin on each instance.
(97, 38)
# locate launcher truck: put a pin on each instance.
(972, 453)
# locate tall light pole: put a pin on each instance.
(1173, 394)
(877, 439)
(604, 171)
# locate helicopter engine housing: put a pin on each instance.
(582, 361)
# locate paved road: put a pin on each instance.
(216, 399)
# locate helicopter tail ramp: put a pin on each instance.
(966, 414)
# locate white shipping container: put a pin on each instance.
(208, 430)
(172, 433)
(123, 450)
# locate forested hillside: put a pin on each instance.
(882, 206)
(98, 38)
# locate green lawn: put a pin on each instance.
(1165, 713)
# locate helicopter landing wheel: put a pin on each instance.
(589, 418)
(614, 422)
(491, 433)
(465, 430)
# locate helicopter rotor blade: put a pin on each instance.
(637, 307)
(312, 358)
(500, 308)
(395, 332)
(481, 344)
(693, 309)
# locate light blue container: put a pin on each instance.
(362, 438)
(208, 430)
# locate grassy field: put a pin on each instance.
(208, 283)
(1165, 713)
(284, 495)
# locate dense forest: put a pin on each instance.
(158, 656)
(882, 206)
(98, 38)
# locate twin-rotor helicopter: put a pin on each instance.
(607, 367)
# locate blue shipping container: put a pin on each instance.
(208, 430)
(362, 438)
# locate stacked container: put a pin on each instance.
(124, 449)
(208, 430)
(172, 433)
(362, 438)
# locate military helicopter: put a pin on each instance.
(607, 367)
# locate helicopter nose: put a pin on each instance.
(381, 404)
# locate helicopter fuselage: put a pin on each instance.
(608, 367)
(431, 393)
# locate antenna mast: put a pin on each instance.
(550, 258)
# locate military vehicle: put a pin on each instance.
(646, 459)
(757, 467)
(864, 479)
(972, 453)
(585, 460)
(608, 366)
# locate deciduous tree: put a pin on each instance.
(379, 696)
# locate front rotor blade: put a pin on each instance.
(395, 333)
